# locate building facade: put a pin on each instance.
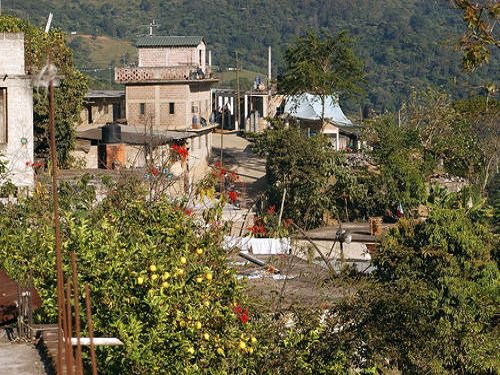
(16, 113)
(101, 107)
(170, 87)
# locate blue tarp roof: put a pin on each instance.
(308, 107)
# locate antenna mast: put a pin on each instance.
(151, 25)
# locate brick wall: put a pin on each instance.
(173, 56)
(157, 99)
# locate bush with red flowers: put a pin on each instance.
(181, 151)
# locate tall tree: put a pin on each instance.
(314, 175)
(69, 95)
(321, 64)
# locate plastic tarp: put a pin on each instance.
(308, 107)
(258, 246)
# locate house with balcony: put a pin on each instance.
(170, 87)
(169, 91)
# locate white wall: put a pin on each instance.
(18, 151)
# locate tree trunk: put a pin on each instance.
(322, 113)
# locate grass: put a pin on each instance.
(104, 51)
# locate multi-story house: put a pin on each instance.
(170, 87)
(16, 113)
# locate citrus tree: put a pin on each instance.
(159, 278)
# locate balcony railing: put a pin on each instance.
(154, 74)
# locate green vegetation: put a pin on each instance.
(429, 307)
(97, 56)
(69, 95)
(321, 64)
(159, 280)
(404, 44)
(315, 177)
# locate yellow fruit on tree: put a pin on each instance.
(253, 339)
(250, 350)
(242, 345)
(165, 284)
(165, 276)
(199, 279)
(206, 303)
(199, 251)
(209, 276)
(140, 280)
(198, 325)
(220, 351)
(180, 271)
(154, 276)
(206, 336)
(190, 350)
(183, 260)
(152, 268)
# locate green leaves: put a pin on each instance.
(39, 46)
(315, 175)
(180, 312)
(321, 64)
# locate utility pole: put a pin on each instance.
(222, 148)
(238, 106)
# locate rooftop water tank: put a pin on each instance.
(111, 133)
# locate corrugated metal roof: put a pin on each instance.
(308, 107)
(168, 41)
(133, 136)
(105, 93)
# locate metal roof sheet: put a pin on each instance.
(9, 290)
(105, 93)
(168, 41)
(308, 107)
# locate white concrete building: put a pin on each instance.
(16, 112)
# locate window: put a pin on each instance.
(142, 108)
(106, 109)
(171, 108)
(199, 52)
(89, 115)
(3, 115)
(194, 107)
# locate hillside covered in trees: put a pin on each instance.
(405, 44)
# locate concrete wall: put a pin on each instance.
(173, 56)
(17, 146)
(200, 151)
(102, 112)
(157, 99)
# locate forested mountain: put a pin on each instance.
(405, 44)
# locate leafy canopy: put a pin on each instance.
(69, 96)
(321, 64)
(430, 305)
(312, 172)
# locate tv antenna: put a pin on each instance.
(49, 21)
(151, 25)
